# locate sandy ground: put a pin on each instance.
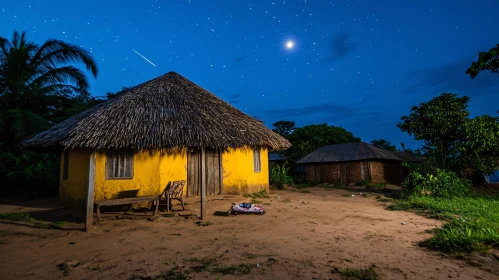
(302, 236)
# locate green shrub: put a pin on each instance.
(279, 175)
(441, 183)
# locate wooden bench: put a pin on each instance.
(127, 201)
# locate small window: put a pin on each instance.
(65, 166)
(256, 161)
(119, 165)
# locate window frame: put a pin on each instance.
(257, 161)
(65, 165)
(115, 155)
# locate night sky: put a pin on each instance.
(356, 64)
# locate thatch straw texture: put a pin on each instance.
(166, 112)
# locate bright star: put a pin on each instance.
(290, 44)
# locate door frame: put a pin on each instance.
(197, 151)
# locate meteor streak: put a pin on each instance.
(144, 57)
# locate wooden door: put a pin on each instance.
(193, 172)
(316, 172)
(213, 175)
(343, 173)
(213, 172)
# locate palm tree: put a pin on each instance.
(36, 81)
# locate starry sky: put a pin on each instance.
(360, 64)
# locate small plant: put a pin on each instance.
(305, 191)
(16, 216)
(279, 176)
(255, 201)
(286, 200)
(361, 274)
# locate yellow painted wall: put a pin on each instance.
(153, 169)
(74, 190)
(239, 175)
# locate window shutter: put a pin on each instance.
(256, 160)
(119, 165)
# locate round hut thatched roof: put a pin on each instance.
(166, 112)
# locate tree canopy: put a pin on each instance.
(39, 86)
(284, 128)
(306, 139)
(487, 61)
(453, 140)
(383, 144)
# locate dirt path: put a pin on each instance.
(305, 238)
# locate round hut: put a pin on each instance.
(163, 130)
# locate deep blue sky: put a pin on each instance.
(356, 64)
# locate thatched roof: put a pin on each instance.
(166, 112)
(347, 152)
(406, 156)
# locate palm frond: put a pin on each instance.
(62, 75)
(62, 90)
(54, 52)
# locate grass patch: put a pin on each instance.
(305, 191)
(473, 221)
(204, 224)
(354, 273)
(260, 194)
(204, 264)
(16, 216)
(378, 186)
(255, 201)
(241, 269)
(286, 200)
(347, 195)
(267, 203)
(58, 224)
(173, 274)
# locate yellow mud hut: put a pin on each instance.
(158, 132)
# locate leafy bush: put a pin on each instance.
(279, 175)
(28, 174)
(441, 183)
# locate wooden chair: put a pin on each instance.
(174, 191)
